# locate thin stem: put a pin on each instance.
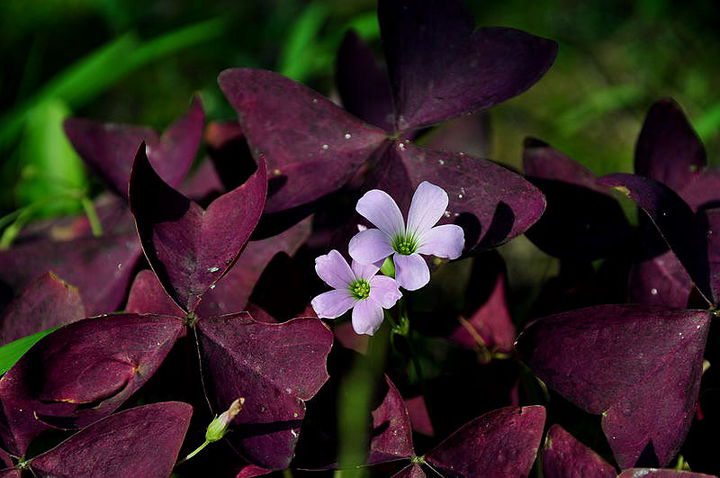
(193, 453)
(93, 219)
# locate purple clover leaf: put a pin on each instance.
(407, 242)
(358, 288)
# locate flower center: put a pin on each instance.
(360, 289)
(404, 245)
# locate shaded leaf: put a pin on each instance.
(81, 373)
(118, 446)
(582, 220)
(300, 133)
(565, 457)
(441, 67)
(490, 202)
(503, 442)
(101, 268)
(46, 303)
(109, 149)
(668, 148)
(661, 280)
(616, 360)
(276, 368)
(675, 221)
(188, 247)
(363, 86)
(391, 428)
(655, 473)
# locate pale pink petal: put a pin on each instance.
(370, 246)
(411, 272)
(427, 207)
(364, 271)
(445, 241)
(385, 291)
(333, 304)
(334, 270)
(380, 209)
(367, 317)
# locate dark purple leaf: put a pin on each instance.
(46, 303)
(188, 247)
(147, 296)
(101, 268)
(503, 442)
(392, 431)
(420, 416)
(81, 373)
(661, 280)
(231, 294)
(675, 221)
(251, 471)
(655, 473)
(363, 86)
(412, 471)
(616, 360)
(566, 457)
(109, 149)
(490, 325)
(140, 442)
(276, 368)
(668, 148)
(441, 67)
(582, 220)
(490, 202)
(703, 191)
(312, 146)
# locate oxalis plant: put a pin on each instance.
(319, 294)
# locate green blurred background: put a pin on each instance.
(140, 61)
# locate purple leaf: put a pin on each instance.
(661, 280)
(231, 294)
(503, 442)
(80, 262)
(142, 441)
(301, 133)
(276, 368)
(702, 191)
(566, 457)
(441, 67)
(468, 134)
(582, 219)
(363, 86)
(109, 149)
(655, 473)
(81, 373)
(392, 431)
(46, 303)
(490, 202)
(616, 360)
(668, 148)
(188, 247)
(147, 296)
(490, 324)
(675, 221)
(412, 471)
(251, 471)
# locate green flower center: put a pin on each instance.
(404, 245)
(360, 289)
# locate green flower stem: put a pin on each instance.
(355, 404)
(194, 452)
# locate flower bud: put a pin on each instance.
(219, 426)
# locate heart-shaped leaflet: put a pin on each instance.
(188, 247)
(615, 360)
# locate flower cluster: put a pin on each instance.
(358, 287)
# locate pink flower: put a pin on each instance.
(407, 242)
(358, 288)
